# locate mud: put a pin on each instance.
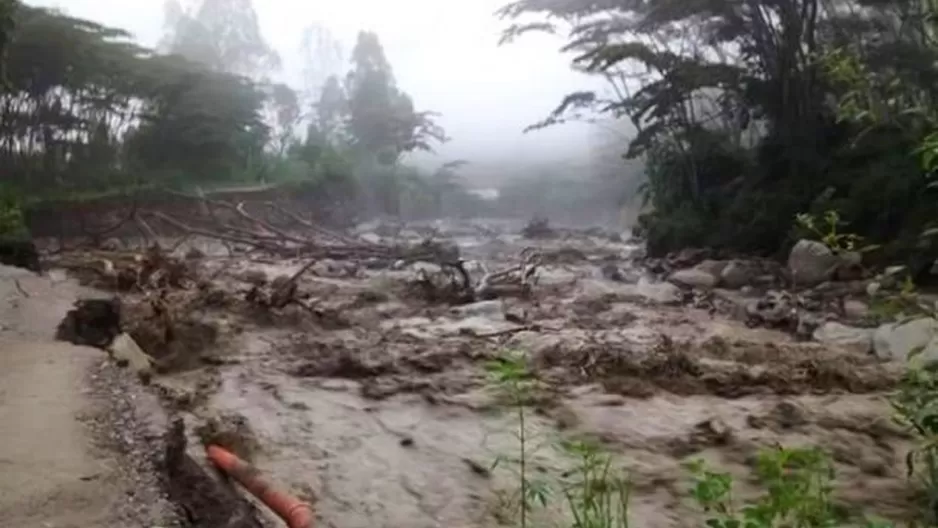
(376, 405)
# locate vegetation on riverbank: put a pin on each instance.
(749, 113)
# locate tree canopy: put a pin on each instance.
(738, 110)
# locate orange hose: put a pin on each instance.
(293, 511)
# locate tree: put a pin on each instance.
(285, 115)
(323, 59)
(224, 35)
(733, 110)
(382, 121)
(87, 109)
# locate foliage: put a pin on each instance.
(509, 374)
(797, 493)
(828, 232)
(596, 495)
(11, 215)
(85, 111)
(733, 107)
(916, 405)
(223, 35)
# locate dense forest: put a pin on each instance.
(747, 114)
(751, 112)
(86, 111)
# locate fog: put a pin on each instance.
(444, 54)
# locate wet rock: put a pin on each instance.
(713, 267)
(610, 271)
(126, 352)
(659, 292)
(811, 262)
(855, 310)
(837, 334)
(687, 257)
(737, 274)
(371, 238)
(694, 278)
(895, 341)
(850, 266)
(491, 309)
(231, 431)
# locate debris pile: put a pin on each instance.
(452, 283)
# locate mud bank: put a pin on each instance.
(373, 401)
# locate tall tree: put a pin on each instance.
(323, 58)
(225, 35)
(382, 121)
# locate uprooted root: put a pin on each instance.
(92, 322)
(453, 284)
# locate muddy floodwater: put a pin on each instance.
(373, 402)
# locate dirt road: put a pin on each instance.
(58, 465)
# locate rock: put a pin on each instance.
(371, 238)
(713, 267)
(694, 278)
(896, 341)
(488, 309)
(850, 266)
(855, 310)
(811, 263)
(837, 334)
(659, 292)
(737, 274)
(127, 352)
(873, 288)
(611, 272)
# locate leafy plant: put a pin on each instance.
(916, 406)
(597, 496)
(797, 488)
(510, 376)
(827, 230)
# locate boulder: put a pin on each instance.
(737, 274)
(850, 266)
(128, 353)
(836, 334)
(895, 341)
(856, 310)
(811, 263)
(694, 278)
(659, 292)
(713, 267)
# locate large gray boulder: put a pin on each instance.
(694, 278)
(895, 341)
(811, 263)
(836, 334)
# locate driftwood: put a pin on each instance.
(453, 284)
(285, 233)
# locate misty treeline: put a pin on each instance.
(84, 110)
(748, 112)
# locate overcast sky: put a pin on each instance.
(444, 53)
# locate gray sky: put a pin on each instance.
(444, 53)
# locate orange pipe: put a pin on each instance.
(293, 511)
